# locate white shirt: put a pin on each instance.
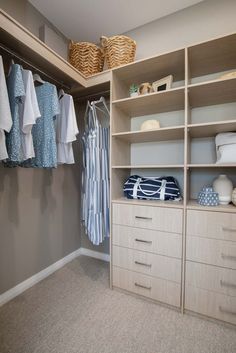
(28, 114)
(66, 130)
(5, 113)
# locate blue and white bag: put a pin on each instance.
(163, 188)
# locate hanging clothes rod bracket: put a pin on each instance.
(20, 58)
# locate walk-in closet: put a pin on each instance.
(117, 176)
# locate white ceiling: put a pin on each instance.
(87, 20)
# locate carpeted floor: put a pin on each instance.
(74, 311)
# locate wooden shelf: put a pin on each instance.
(211, 166)
(194, 205)
(162, 166)
(211, 129)
(170, 204)
(213, 56)
(212, 92)
(18, 39)
(163, 134)
(157, 102)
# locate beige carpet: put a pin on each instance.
(74, 311)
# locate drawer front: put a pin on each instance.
(210, 251)
(154, 241)
(212, 224)
(218, 306)
(147, 217)
(217, 279)
(147, 263)
(154, 288)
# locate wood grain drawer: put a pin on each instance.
(154, 241)
(216, 279)
(212, 304)
(154, 288)
(147, 217)
(151, 264)
(212, 224)
(211, 251)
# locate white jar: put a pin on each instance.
(224, 186)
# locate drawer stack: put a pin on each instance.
(147, 250)
(211, 264)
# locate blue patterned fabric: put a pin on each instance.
(44, 136)
(16, 91)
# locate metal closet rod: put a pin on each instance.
(12, 53)
(99, 94)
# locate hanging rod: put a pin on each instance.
(102, 93)
(12, 53)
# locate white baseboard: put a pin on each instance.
(21, 287)
(95, 254)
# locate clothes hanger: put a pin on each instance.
(101, 100)
(38, 79)
(61, 93)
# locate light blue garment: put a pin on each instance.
(44, 136)
(16, 92)
(95, 178)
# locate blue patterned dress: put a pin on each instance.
(44, 136)
(16, 92)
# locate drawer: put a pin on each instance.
(218, 306)
(147, 263)
(211, 251)
(212, 224)
(154, 288)
(163, 243)
(216, 279)
(147, 217)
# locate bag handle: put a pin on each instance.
(161, 189)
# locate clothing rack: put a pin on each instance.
(95, 95)
(17, 56)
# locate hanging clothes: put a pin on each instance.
(66, 129)
(44, 136)
(5, 113)
(95, 176)
(16, 92)
(29, 113)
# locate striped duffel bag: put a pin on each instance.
(152, 188)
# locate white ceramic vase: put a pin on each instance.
(224, 186)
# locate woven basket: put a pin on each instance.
(86, 57)
(118, 50)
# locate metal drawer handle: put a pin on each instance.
(227, 311)
(141, 286)
(144, 241)
(229, 229)
(142, 264)
(140, 217)
(227, 284)
(229, 257)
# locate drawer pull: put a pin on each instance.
(144, 241)
(227, 311)
(226, 229)
(141, 286)
(228, 257)
(227, 284)
(142, 264)
(140, 217)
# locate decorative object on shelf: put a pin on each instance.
(163, 188)
(150, 124)
(224, 186)
(208, 197)
(118, 50)
(133, 90)
(86, 57)
(234, 196)
(226, 147)
(163, 84)
(228, 75)
(145, 88)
